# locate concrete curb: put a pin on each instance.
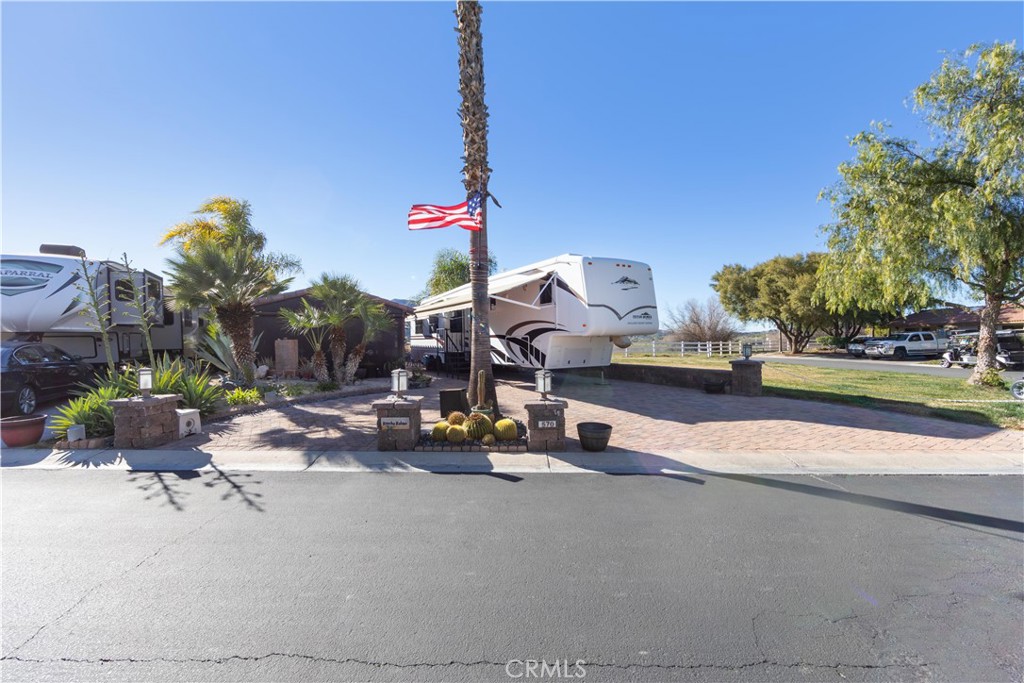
(612, 462)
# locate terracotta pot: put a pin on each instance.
(22, 431)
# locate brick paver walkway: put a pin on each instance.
(646, 418)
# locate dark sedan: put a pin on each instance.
(31, 372)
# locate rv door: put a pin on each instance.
(120, 291)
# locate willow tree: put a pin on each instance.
(476, 175)
(922, 224)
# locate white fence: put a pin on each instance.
(705, 348)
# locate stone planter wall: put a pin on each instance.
(145, 422)
(690, 378)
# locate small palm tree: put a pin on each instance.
(339, 297)
(313, 324)
(227, 278)
(375, 320)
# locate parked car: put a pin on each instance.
(31, 372)
(905, 345)
(856, 346)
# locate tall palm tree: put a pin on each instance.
(226, 278)
(339, 297)
(375, 319)
(225, 220)
(221, 219)
(476, 174)
(312, 323)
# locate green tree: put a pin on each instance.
(919, 224)
(227, 278)
(339, 297)
(375, 319)
(225, 220)
(451, 269)
(313, 324)
(780, 290)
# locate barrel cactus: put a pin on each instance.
(456, 418)
(456, 434)
(477, 426)
(439, 432)
(505, 430)
(488, 440)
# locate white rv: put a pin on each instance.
(565, 312)
(41, 299)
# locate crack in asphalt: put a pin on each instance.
(453, 663)
(105, 582)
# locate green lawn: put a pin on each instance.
(905, 393)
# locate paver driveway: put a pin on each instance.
(647, 418)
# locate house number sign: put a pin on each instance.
(547, 424)
(388, 423)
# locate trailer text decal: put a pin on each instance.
(18, 275)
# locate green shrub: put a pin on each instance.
(197, 393)
(92, 410)
(326, 386)
(992, 378)
(833, 342)
(243, 397)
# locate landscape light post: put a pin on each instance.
(145, 382)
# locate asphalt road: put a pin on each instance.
(883, 365)
(121, 576)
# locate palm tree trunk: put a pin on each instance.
(238, 326)
(477, 174)
(338, 354)
(320, 372)
(353, 361)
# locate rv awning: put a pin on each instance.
(462, 297)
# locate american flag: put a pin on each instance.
(465, 215)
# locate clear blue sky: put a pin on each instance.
(686, 135)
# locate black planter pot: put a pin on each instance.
(594, 436)
(714, 387)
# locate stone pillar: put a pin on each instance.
(545, 426)
(398, 423)
(746, 377)
(145, 422)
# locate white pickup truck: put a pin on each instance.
(906, 344)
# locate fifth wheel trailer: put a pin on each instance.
(43, 300)
(563, 312)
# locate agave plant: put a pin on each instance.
(314, 324)
(91, 410)
(197, 392)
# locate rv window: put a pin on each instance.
(153, 288)
(545, 293)
(455, 324)
(168, 315)
(186, 317)
(123, 290)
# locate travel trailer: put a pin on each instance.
(565, 312)
(42, 300)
